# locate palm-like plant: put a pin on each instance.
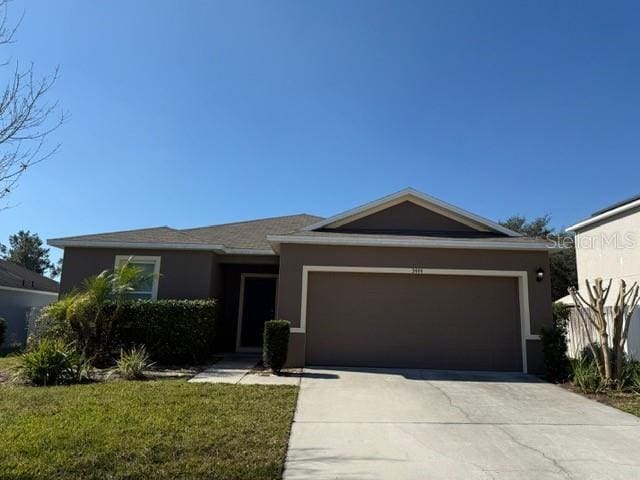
(93, 309)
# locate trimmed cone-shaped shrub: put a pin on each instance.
(554, 345)
(275, 344)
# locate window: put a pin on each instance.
(151, 267)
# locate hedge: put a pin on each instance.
(275, 344)
(554, 344)
(173, 331)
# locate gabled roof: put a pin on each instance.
(232, 238)
(608, 212)
(16, 277)
(264, 236)
(419, 198)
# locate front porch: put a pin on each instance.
(249, 298)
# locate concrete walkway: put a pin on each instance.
(418, 424)
(228, 370)
(238, 370)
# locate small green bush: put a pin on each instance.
(3, 330)
(554, 345)
(132, 363)
(53, 362)
(630, 381)
(585, 375)
(275, 344)
(52, 323)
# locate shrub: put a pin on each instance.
(586, 376)
(3, 330)
(554, 345)
(173, 331)
(52, 323)
(275, 344)
(632, 376)
(53, 362)
(132, 363)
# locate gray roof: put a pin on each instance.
(143, 235)
(16, 276)
(257, 237)
(616, 205)
(250, 235)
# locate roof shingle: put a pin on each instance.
(251, 235)
(16, 276)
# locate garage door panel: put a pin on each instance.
(427, 321)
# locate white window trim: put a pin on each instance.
(521, 275)
(243, 277)
(144, 259)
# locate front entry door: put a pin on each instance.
(257, 305)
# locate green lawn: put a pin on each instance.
(628, 402)
(167, 429)
(6, 366)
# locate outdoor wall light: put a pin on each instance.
(539, 274)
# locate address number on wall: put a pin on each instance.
(416, 270)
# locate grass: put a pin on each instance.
(6, 367)
(627, 402)
(167, 429)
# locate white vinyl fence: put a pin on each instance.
(578, 339)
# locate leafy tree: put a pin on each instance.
(537, 228)
(26, 249)
(26, 117)
(562, 264)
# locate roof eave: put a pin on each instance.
(603, 216)
(28, 290)
(473, 244)
(216, 248)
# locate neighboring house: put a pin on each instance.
(407, 280)
(608, 246)
(22, 290)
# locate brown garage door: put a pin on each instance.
(426, 321)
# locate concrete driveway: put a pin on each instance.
(422, 424)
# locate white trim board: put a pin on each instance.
(521, 275)
(604, 216)
(409, 194)
(243, 277)
(220, 249)
(425, 242)
(144, 259)
(27, 290)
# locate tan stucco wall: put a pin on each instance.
(610, 249)
(293, 257)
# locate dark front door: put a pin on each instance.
(258, 304)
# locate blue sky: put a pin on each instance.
(202, 112)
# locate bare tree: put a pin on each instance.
(608, 350)
(26, 117)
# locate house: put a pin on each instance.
(608, 243)
(406, 280)
(608, 246)
(22, 290)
